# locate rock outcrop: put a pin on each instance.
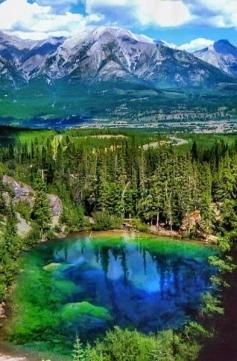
(56, 207)
(21, 191)
(191, 226)
(23, 227)
(161, 231)
(211, 238)
(2, 311)
(191, 222)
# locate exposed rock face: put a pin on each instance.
(112, 53)
(25, 193)
(164, 232)
(216, 209)
(6, 198)
(191, 222)
(2, 311)
(222, 54)
(21, 192)
(56, 206)
(211, 239)
(89, 220)
(23, 228)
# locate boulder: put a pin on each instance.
(89, 220)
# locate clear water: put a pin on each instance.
(84, 285)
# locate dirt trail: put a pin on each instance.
(172, 140)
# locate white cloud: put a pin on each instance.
(162, 13)
(37, 21)
(223, 13)
(173, 13)
(196, 44)
(150, 12)
(91, 4)
(42, 18)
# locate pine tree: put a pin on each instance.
(41, 211)
(79, 353)
(2, 201)
(10, 238)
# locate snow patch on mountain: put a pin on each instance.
(110, 53)
(222, 54)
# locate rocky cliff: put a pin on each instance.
(21, 193)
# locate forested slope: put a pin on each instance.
(105, 180)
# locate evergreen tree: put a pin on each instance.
(41, 211)
(79, 353)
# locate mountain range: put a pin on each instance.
(114, 54)
(110, 74)
(222, 54)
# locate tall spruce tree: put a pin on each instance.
(41, 212)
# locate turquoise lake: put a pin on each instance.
(84, 285)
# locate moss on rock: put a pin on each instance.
(73, 311)
(52, 267)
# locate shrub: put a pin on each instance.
(137, 224)
(126, 345)
(73, 216)
(24, 209)
(34, 235)
(121, 345)
(105, 221)
(211, 305)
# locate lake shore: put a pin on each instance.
(156, 234)
(7, 353)
(12, 358)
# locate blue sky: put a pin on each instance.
(190, 24)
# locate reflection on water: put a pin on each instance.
(142, 286)
(86, 285)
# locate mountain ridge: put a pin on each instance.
(105, 54)
(222, 54)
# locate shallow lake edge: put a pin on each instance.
(15, 352)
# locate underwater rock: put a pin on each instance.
(74, 311)
(51, 267)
